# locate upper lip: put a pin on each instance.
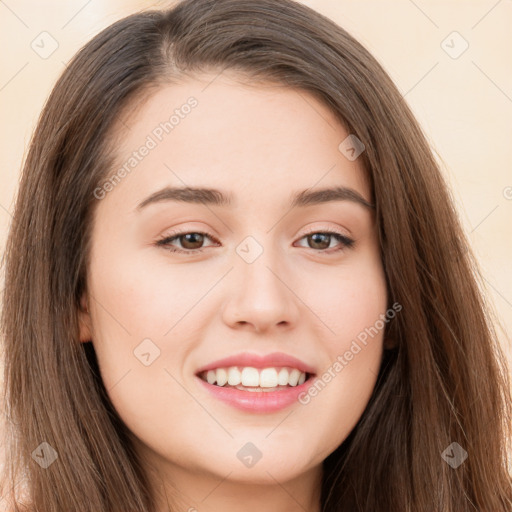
(275, 359)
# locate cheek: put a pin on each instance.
(353, 313)
(348, 300)
(138, 304)
(146, 300)
(142, 316)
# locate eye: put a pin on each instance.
(322, 240)
(192, 241)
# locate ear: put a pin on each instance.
(84, 320)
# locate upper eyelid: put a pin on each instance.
(176, 234)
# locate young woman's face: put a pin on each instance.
(268, 280)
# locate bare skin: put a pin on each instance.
(260, 144)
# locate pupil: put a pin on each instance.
(316, 236)
(192, 236)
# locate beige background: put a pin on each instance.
(464, 104)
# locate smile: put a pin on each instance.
(254, 379)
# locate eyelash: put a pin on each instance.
(346, 243)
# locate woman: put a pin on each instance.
(320, 345)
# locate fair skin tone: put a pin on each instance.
(259, 144)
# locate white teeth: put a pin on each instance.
(250, 377)
(282, 378)
(253, 377)
(222, 376)
(268, 378)
(234, 376)
(294, 377)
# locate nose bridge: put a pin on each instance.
(260, 296)
(256, 258)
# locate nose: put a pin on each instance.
(259, 297)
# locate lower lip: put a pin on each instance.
(257, 401)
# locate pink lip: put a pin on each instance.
(276, 359)
(257, 401)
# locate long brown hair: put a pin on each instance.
(443, 381)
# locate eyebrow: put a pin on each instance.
(215, 197)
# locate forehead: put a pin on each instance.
(217, 131)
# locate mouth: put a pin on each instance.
(256, 383)
(255, 379)
(256, 391)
